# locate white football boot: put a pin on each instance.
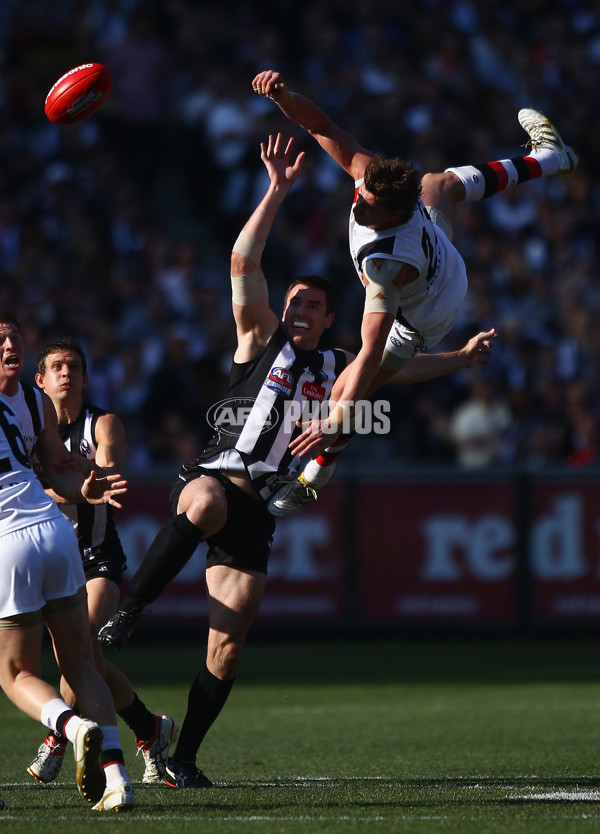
(89, 773)
(119, 798)
(156, 749)
(290, 498)
(543, 134)
(48, 762)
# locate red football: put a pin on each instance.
(78, 93)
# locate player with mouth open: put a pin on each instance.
(400, 234)
(221, 498)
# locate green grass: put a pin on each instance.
(410, 736)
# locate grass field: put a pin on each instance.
(413, 736)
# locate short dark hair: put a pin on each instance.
(394, 183)
(9, 318)
(60, 345)
(317, 282)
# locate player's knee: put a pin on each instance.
(207, 513)
(204, 503)
(442, 190)
(224, 657)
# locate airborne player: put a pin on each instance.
(401, 227)
(221, 497)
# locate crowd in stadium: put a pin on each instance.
(118, 230)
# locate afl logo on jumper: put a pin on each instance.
(280, 380)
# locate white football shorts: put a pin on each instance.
(39, 564)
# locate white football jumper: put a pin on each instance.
(426, 308)
(40, 558)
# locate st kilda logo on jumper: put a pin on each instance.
(231, 415)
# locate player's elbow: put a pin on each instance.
(240, 265)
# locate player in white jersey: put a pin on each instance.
(42, 583)
(401, 227)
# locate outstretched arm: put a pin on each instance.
(425, 366)
(363, 377)
(255, 321)
(342, 147)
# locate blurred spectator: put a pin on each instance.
(143, 100)
(478, 426)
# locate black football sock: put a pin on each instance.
(62, 719)
(206, 699)
(170, 551)
(139, 719)
(60, 734)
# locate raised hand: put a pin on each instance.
(269, 84)
(479, 348)
(277, 160)
(97, 490)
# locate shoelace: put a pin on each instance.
(304, 498)
(541, 134)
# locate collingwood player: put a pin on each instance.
(221, 498)
(99, 437)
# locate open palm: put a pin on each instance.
(276, 157)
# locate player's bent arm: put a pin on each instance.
(355, 381)
(73, 463)
(359, 375)
(426, 366)
(59, 498)
(63, 471)
(254, 320)
(339, 144)
(111, 446)
(74, 488)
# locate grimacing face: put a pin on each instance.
(12, 355)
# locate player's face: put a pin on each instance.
(64, 378)
(12, 355)
(371, 213)
(306, 316)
